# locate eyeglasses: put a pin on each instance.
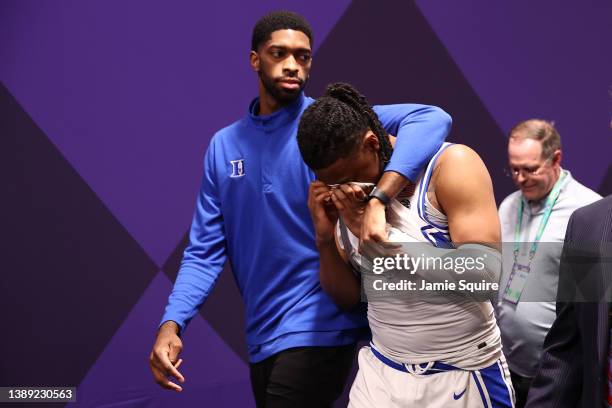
(513, 172)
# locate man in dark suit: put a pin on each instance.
(574, 368)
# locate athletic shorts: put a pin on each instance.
(381, 382)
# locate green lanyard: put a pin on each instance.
(550, 203)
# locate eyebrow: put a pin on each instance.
(284, 47)
(526, 166)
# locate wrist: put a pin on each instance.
(376, 204)
(170, 326)
(392, 183)
(324, 242)
(378, 195)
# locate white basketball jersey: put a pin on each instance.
(460, 332)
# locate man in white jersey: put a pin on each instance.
(424, 353)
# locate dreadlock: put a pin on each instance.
(333, 127)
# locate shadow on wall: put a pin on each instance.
(66, 267)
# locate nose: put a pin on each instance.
(520, 178)
(290, 64)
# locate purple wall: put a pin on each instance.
(107, 108)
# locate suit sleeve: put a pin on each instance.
(420, 131)
(558, 381)
(205, 255)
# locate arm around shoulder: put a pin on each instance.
(420, 131)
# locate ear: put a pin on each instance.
(371, 142)
(254, 60)
(556, 158)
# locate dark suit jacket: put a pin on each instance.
(573, 368)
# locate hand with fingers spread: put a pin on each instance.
(163, 360)
(322, 211)
(350, 200)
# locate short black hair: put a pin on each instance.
(333, 126)
(278, 20)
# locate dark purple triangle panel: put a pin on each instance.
(132, 91)
(605, 188)
(388, 50)
(72, 273)
(212, 371)
(547, 59)
(224, 309)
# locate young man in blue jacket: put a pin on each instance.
(252, 208)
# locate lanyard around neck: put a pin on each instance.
(550, 203)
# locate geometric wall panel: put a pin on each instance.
(70, 272)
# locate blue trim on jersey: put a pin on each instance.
(425, 186)
(484, 399)
(420, 210)
(508, 381)
(497, 386)
(437, 367)
(438, 238)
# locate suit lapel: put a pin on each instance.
(602, 333)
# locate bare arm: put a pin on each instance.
(464, 190)
(337, 277)
(420, 131)
(374, 219)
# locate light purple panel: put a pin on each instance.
(215, 376)
(546, 59)
(132, 91)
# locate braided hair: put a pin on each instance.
(333, 127)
